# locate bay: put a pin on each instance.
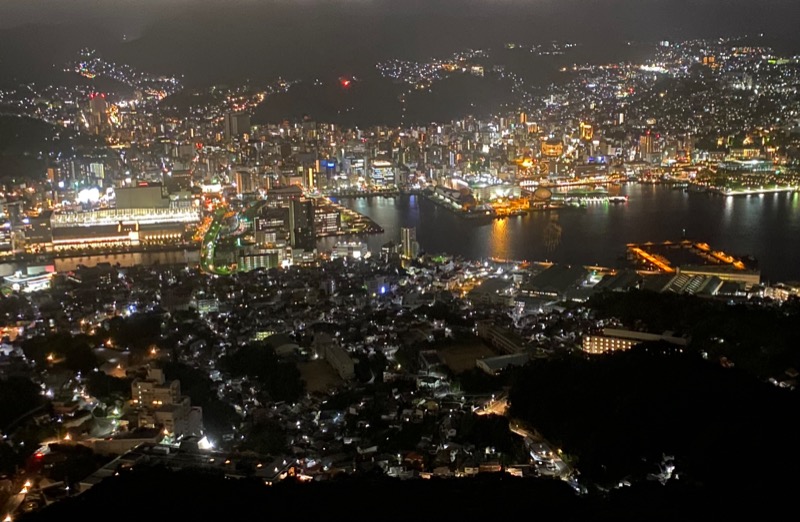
(766, 227)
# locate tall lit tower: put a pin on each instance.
(98, 112)
(408, 243)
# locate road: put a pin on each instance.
(496, 406)
(546, 456)
(209, 245)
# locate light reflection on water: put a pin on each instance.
(767, 228)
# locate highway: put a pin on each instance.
(209, 246)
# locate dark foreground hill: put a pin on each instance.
(189, 495)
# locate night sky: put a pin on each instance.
(212, 39)
(635, 18)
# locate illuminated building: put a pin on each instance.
(301, 224)
(587, 131)
(97, 170)
(244, 182)
(121, 226)
(723, 272)
(161, 405)
(352, 249)
(6, 240)
(282, 194)
(98, 113)
(272, 225)
(326, 219)
(552, 148)
(383, 173)
(27, 283)
(408, 242)
(262, 257)
(746, 166)
(38, 231)
(612, 340)
(648, 147)
(237, 124)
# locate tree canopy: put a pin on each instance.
(280, 379)
(621, 413)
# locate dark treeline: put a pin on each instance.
(763, 340)
(620, 414)
(191, 494)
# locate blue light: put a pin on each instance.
(330, 164)
(383, 290)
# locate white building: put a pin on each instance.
(161, 405)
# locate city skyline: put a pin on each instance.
(393, 260)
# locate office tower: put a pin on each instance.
(301, 224)
(98, 113)
(244, 182)
(408, 242)
(236, 125)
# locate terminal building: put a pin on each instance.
(723, 272)
(143, 215)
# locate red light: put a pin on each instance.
(38, 456)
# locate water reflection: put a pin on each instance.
(552, 234)
(499, 238)
(766, 228)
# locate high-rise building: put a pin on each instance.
(244, 182)
(237, 124)
(648, 147)
(301, 224)
(326, 219)
(272, 225)
(408, 242)
(587, 131)
(98, 113)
